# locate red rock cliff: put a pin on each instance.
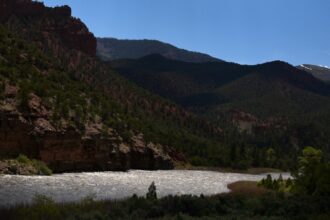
(70, 150)
(72, 32)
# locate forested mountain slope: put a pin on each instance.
(321, 72)
(275, 104)
(76, 113)
(113, 49)
(61, 104)
(214, 86)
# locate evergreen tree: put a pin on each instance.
(312, 175)
(152, 192)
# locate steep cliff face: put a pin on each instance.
(65, 148)
(70, 150)
(73, 33)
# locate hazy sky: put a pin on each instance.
(243, 31)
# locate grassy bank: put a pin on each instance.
(246, 201)
(247, 188)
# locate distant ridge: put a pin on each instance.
(219, 86)
(320, 72)
(113, 49)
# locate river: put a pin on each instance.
(70, 187)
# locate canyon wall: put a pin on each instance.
(65, 151)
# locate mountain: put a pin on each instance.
(320, 72)
(59, 103)
(205, 87)
(112, 49)
(271, 104)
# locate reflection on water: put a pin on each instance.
(116, 185)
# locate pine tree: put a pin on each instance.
(152, 192)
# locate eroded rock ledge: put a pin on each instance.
(70, 150)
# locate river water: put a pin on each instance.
(70, 187)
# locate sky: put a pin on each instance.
(241, 31)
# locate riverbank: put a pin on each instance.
(71, 187)
(22, 165)
(251, 170)
(225, 206)
(247, 188)
(245, 200)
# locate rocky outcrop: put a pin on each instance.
(245, 122)
(97, 153)
(250, 124)
(13, 167)
(71, 31)
(72, 151)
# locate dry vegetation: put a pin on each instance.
(247, 188)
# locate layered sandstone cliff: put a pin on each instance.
(70, 150)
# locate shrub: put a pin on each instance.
(42, 167)
(196, 161)
(23, 159)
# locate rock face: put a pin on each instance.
(65, 151)
(250, 124)
(244, 121)
(13, 167)
(28, 127)
(73, 33)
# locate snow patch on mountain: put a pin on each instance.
(324, 66)
(306, 67)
